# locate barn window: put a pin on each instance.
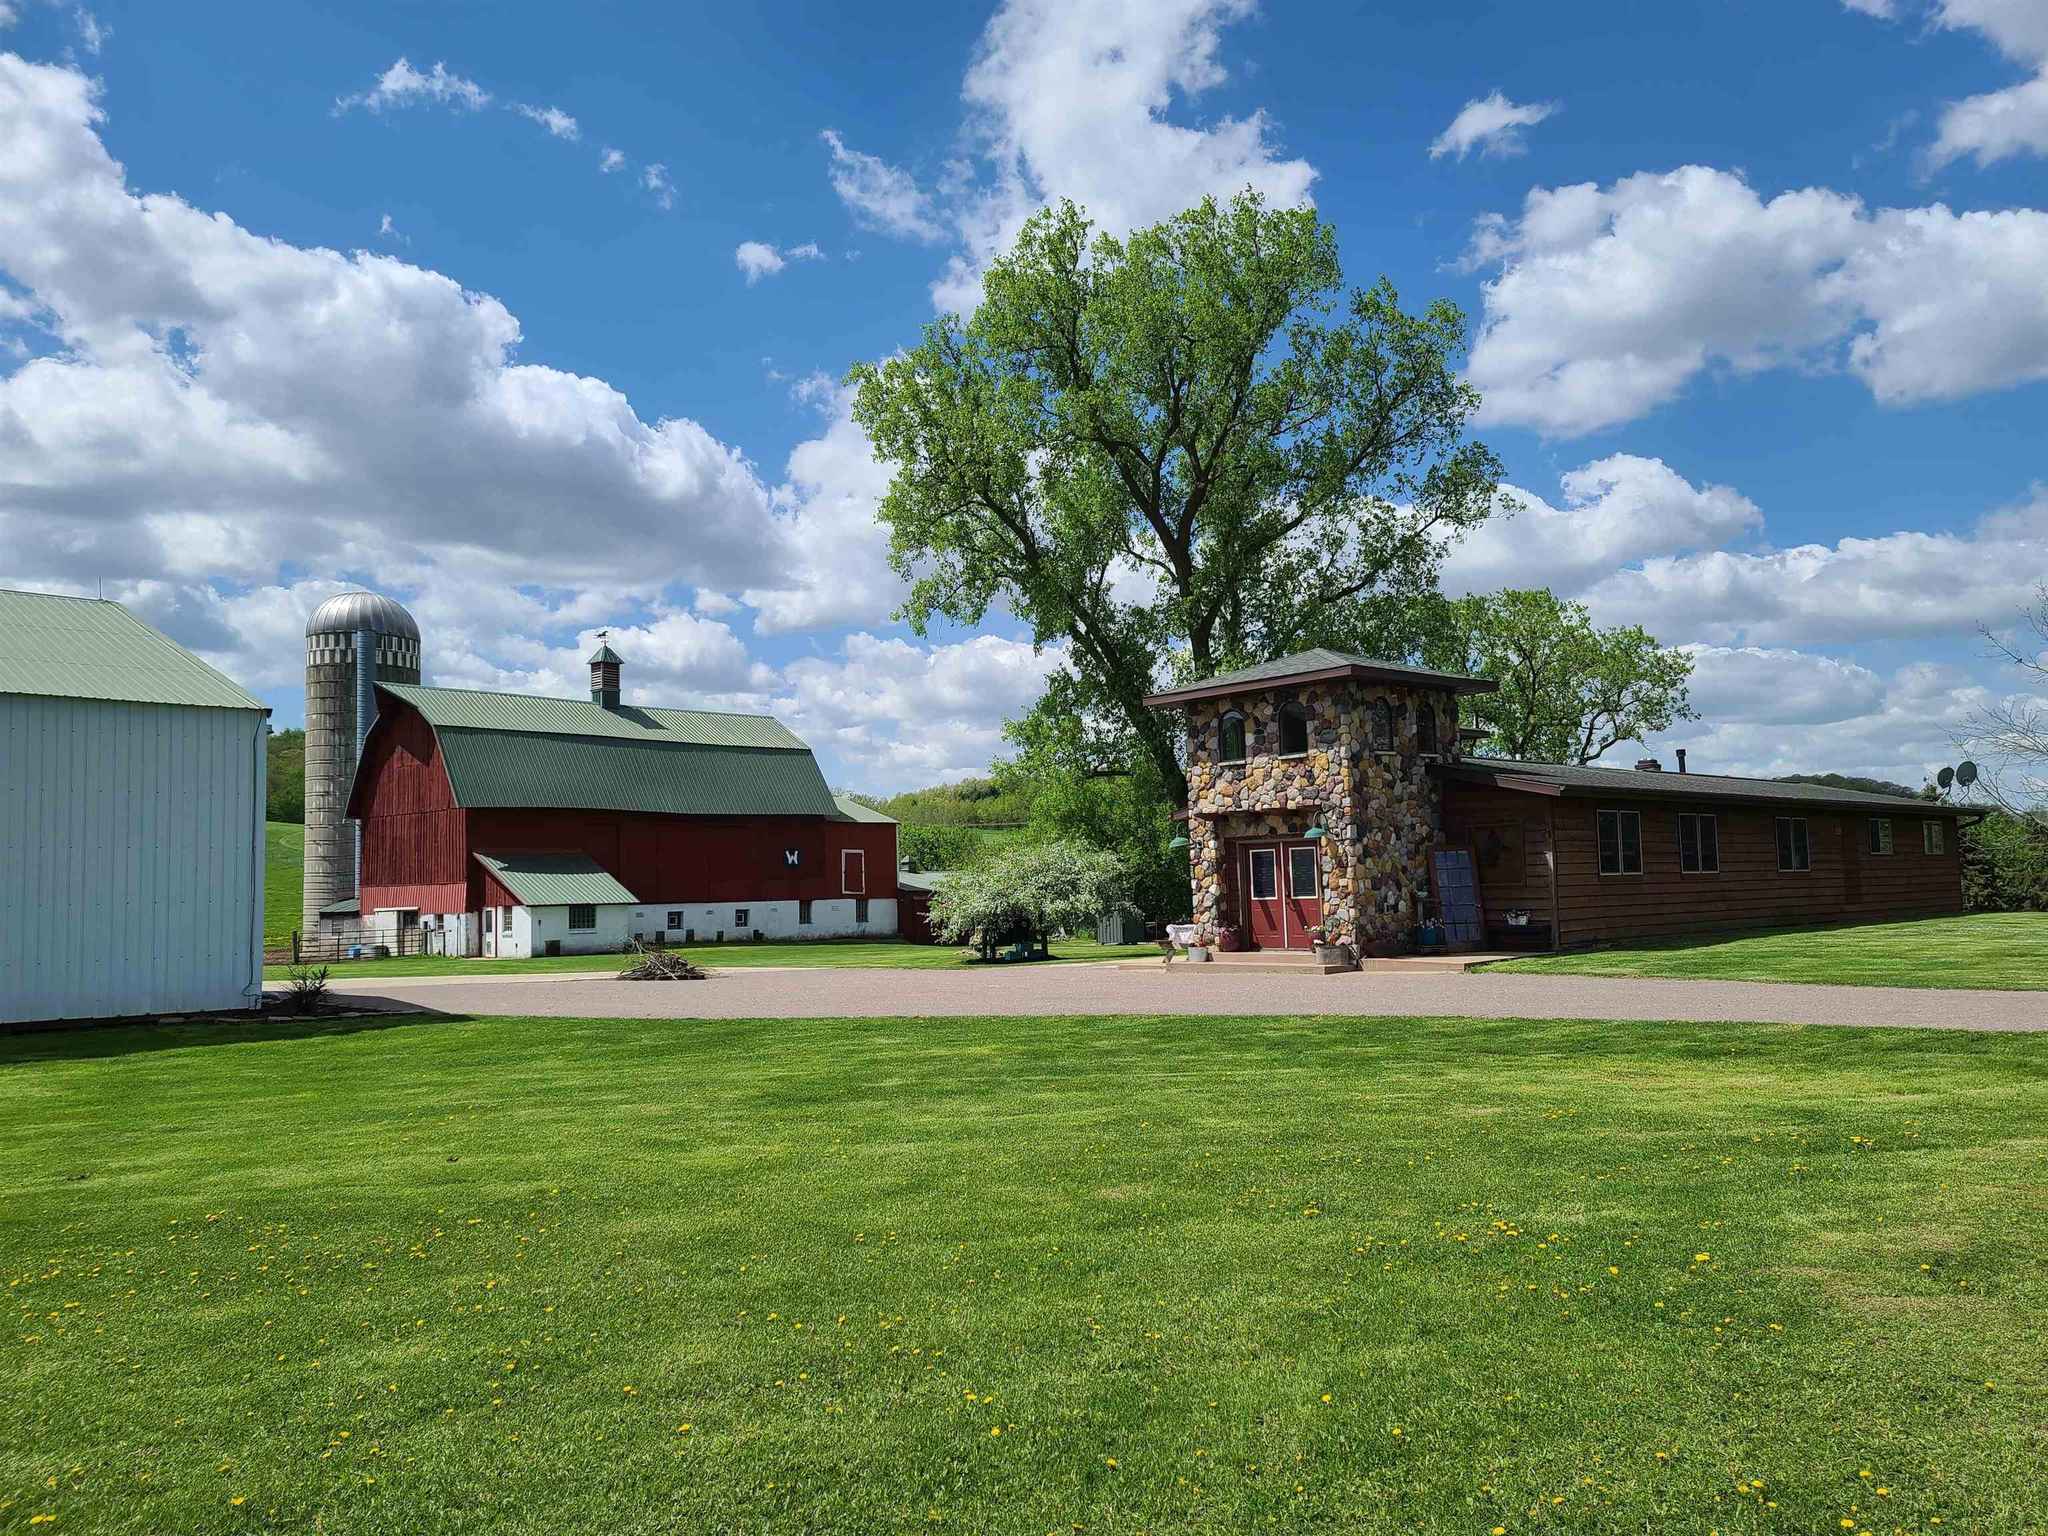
(1621, 842)
(1230, 738)
(740, 916)
(582, 919)
(1699, 844)
(1425, 727)
(1795, 851)
(803, 912)
(1382, 726)
(675, 920)
(1880, 834)
(1293, 729)
(1933, 838)
(860, 909)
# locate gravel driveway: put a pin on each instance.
(815, 992)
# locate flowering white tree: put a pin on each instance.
(1029, 893)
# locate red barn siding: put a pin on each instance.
(1509, 835)
(415, 853)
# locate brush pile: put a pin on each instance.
(659, 965)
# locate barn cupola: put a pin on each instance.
(604, 674)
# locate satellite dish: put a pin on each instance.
(1966, 773)
(1946, 777)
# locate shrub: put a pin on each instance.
(306, 989)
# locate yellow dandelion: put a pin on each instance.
(1109, 1461)
(995, 1430)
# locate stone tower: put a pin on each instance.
(353, 640)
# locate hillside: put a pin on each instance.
(284, 861)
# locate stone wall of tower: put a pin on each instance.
(331, 752)
(1381, 811)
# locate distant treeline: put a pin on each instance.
(288, 775)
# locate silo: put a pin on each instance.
(341, 706)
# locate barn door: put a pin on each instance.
(1265, 920)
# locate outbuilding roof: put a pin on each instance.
(556, 879)
(88, 648)
(1315, 666)
(1589, 781)
(851, 809)
(518, 751)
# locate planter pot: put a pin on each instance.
(1230, 941)
(1334, 954)
(1198, 953)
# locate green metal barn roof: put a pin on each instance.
(555, 879)
(851, 809)
(516, 751)
(88, 648)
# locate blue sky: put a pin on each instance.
(540, 331)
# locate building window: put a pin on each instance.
(1230, 738)
(675, 920)
(1303, 872)
(1933, 837)
(582, 919)
(1795, 852)
(1621, 842)
(1425, 727)
(490, 919)
(1265, 874)
(1382, 726)
(1293, 729)
(1699, 845)
(505, 919)
(853, 872)
(1880, 834)
(803, 912)
(860, 909)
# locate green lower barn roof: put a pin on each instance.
(556, 879)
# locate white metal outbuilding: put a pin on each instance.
(131, 819)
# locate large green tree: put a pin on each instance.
(1178, 452)
(1569, 689)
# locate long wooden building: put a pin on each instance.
(509, 825)
(1329, 796)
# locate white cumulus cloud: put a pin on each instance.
(1609, 300)
(403, 86)
(557, 122)
(1492, 125)
(757, 259)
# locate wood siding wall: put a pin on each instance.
(1750, 891)
(415, 840)
(1509, 835)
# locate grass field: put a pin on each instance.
(2007, 950)
(284, 863)
(1024, 1276)
(885, 955)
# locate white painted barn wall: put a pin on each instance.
(131, 858)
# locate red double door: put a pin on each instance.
(1282, 892)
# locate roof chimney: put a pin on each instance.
(1649, 765)
(604, 673)
(1681, 759)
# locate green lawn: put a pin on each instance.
(284, 863)
(1985, 949)
(889, 954)
(1162, 1275)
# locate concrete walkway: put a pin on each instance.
(818, 992)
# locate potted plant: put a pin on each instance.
(1228, 939)
(1328, 951)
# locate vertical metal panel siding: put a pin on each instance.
(131, 858)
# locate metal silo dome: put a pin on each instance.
(349, 613)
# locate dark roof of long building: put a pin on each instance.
(1625, 783)
(515, 750)
(1319, 665)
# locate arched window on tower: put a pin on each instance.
(1293, 729)
(1425, 727)
(1382, 726)
(1230, 737)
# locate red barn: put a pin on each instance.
(516, 825)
